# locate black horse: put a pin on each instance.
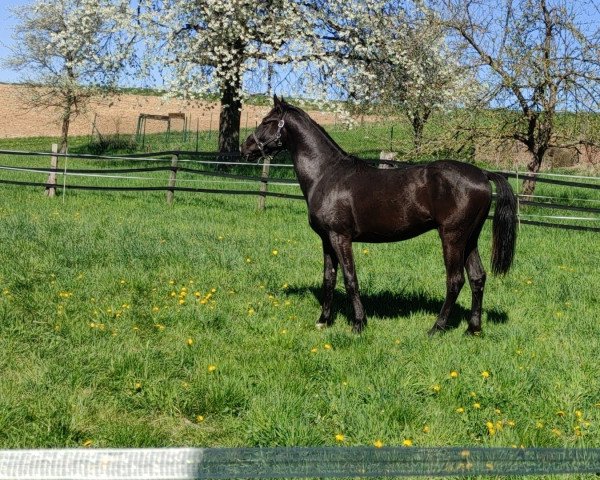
(350, 200)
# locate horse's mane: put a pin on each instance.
(306, 116)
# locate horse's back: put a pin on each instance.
(376, 205)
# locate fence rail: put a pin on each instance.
(291, 462)
(172, 184)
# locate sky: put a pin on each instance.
(6, 25)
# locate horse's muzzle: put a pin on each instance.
(249, 150)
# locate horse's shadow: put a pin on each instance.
(388, 305)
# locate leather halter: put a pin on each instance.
(277, 138)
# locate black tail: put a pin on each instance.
(504, 227)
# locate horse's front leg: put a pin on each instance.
(342, 245)
(330, 264)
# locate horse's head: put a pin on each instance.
(267, 138)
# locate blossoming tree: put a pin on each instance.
(415, 72)
(68, 51)
(323, 48)
(213, 47)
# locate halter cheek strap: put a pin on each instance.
(277, 138)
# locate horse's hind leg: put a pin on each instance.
(455, 278)
(330, 264)
(342, 245)
(477, 276)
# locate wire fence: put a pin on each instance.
(211, 173)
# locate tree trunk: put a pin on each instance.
(534, 167)
(418, 124)
(64, 131)
(229, 122)
(418, 120)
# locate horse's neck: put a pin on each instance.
(313, 152)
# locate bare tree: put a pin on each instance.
(540, 57)
(68, 51)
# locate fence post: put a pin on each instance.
(51, 183)
(264, 183)
(172, 179)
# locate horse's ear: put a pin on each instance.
(276, 101)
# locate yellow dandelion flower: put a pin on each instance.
(490, 428)
(190, 341)
(578, 414)
(339, 437)
(199, 418)
(274, 252)
(137, 386)
(87, 443)
(477, 406)
(251, 311)
(211, 368)
(407, 442)
(327, 346)
(485, 374)
(539, 425)
(378, 443)
(460, 410)
(365, 251)
(436, 388)
(155, 309)
(314, 350)
(426, 429)
(453, 374)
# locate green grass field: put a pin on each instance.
(128, 323)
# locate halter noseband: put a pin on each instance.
(277, 138)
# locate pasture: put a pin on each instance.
(128, 323)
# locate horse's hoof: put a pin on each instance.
(473, 333)
(321, 326)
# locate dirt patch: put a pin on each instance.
(119, 115)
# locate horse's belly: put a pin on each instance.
(383, 235)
